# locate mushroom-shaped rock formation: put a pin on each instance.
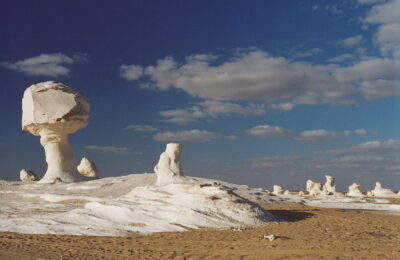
(87, 168)
(278, 190)
(329, 186)
(301, 193)
(25, 175)
(314, 188)
(382, 192)
(168, 168)
(354, 191)
(52, 110)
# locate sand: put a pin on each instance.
(308, 233)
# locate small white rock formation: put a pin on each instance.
(381, 192)
(329, 186)
(301, 193)
(277, 190)
(287, 192)
(87, 168)
(314, 188)
(354, 191)
(168, 168)
(25, 175)
(52, 110)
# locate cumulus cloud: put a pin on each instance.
(342, 58)
(370, 1)
(317, 135)
(371, 147)
(131, 72)
(387, 17)
(141, 128)
(210, 108)
(51, 65)
(255, 75)
(362, 131)
(193, 135)
(308, 53)
(350, 41)
(272, 162)
(270, 131)
(287, 106)
(380, 88)
(110, 149)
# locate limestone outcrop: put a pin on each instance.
(52, 111)
(168, 168)
(329, 186)
(277, 190)
(354, 191)
(25, 175)
(88, 168)
(313, 188)
(378, 191)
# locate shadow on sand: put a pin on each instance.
(290, 215)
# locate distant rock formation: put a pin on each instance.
(354, 191)
(378, 191)
(25, 176)
(277, 190)
(88, 168)
(52, 110)
(329, 187)
(168, 168)
(313, 188)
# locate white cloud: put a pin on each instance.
(308, 53)
(317, 135)
(362, 131)
(257, 76)
(287, 106)
(370, 1)
(51, 65)
(387, 17)
(350, 41)
(141, 128)
(272, 162)
(342, 57)
(131, 72)
(193, 135)
(380, 88)
(371, 147)
(110, 149)
(270, 131)
(210, 108)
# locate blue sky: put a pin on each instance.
(258, 92)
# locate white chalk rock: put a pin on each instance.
(25, 175)
(87, 168)
(287, 192)
(329, 186)
(301, 193)
(314, 188)
(354, 191)
(277, 190)
(168, 168)
(52, 110)
(382, 192)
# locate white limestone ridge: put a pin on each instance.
(168, 168)
(52, 110)
(88, 168)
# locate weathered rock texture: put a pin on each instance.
(88, 168)
(313, 188)
(277, 190)
(168, 168)
(381, 192)
(329, 186)
(25, 175)
(354, 191)
(52, 110)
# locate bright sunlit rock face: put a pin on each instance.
(277, 190)
(354, 191)
(25, 175)
(379, 191)
(88, 168)
(52, 110)
(168, 168)
(313, 188)
(329, 186)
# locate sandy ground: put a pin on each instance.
(308, 233)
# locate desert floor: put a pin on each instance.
(308, 233)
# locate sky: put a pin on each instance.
(257, 92)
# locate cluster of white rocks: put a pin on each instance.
(314, 189)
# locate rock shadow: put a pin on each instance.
(290, 215)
